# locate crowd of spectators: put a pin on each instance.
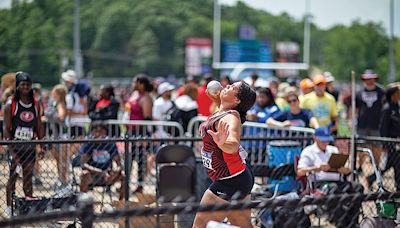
(312, 102)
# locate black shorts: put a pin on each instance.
(237, 187)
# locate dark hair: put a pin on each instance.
(389, 93)
(247, 97)
(22, 76)
(208, 78)
(109, 89)
(191, 91)
(268, 93)
(143, 79)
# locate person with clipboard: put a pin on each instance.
(325, 168)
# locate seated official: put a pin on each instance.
(96, 162)
(314, 163)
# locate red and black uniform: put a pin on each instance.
(228, 172)
(24, 127)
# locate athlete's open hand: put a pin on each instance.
(221, 134)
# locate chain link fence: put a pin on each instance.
(284, 212)
(137, 185)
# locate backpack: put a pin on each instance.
(173, 113)
(82, 88)
(182, 117)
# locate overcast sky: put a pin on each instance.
(326, 13)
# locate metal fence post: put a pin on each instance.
(354, 165)
(127, 167)
(86, 210)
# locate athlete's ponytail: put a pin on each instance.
(247, 97)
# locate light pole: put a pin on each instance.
(306, 44)
(77, 40)
(216, 33)
(392, 64)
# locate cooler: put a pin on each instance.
(283, 153)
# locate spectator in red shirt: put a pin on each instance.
(203, 101)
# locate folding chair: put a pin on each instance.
(106, 188)
(175, 174)
(303, 180)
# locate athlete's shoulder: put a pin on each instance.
(232, 114)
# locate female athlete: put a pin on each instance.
(223, 156)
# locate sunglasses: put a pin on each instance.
(292, 101)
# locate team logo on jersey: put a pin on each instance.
(26, 116)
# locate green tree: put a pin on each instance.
(120, 38)
(357, 47)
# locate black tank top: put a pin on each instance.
(24, 121)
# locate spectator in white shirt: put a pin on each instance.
(314, 163)
(77, 105)
(160, 108)
(314, 158)
(163, 103)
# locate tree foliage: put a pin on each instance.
(120, 38)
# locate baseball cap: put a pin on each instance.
(37, 86)
(323, 134)
(306, 84)
(22, 77)
(69, 76)
(369, 74)
(164, 87)
(329, 77)
(319, 79)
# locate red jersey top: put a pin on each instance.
(220, 165)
